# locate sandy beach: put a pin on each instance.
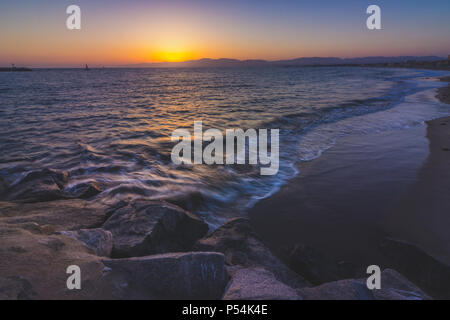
(391, 184)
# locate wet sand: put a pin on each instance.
(444, 92)
(395, 183)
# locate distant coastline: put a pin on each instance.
(428, 62)
(412, 62)
(15, 69)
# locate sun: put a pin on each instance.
(172, 55)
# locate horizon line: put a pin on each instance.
(229, 59)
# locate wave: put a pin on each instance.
(119, 134)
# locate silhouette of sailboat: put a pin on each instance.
(87, 68)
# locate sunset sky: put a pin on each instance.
(33, 33)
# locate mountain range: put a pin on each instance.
(309, 61)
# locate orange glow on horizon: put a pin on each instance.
(172, 56)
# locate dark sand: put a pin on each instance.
(426, 206)
(444, 92)
(394, 184)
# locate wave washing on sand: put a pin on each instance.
(400, 110)
(113, 127)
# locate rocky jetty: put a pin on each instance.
(145, 249)
(15, 69)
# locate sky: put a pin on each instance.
(116, 32)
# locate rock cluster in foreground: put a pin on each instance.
(142, 249)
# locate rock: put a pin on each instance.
(144, 227)
(33, 227)
(241, 246)
(85, 190)
(53, 243)
(47, 229)
(349, 289)
(258, 284)
(423, 269)
(39, 186)
(61, 214)
(314, 267)
(189, 202)
(15, 288)
(393, 287)
(99, 240)
(192, 275)
(38, 269)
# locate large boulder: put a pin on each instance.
(241, 246)
(38, 186)
(33, 266)
(394, 286)
(15, 288)
(61, 214)
(192, 275)
(428, 272)
(258, 284)
(98, 240)
(144, 227)
(313, 266)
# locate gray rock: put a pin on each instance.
(16, 288)
(394, 286)
(241, 246)
(428, 272)
(99, 240)
(314, 267)
(144, 227)
(39, 186)
(258, 284)
(33, 266)
(61, 214)
(193, 275)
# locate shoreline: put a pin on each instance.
(153, 249)
(344, 203)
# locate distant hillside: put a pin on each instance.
(308, 61)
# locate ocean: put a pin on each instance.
(114, 126)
